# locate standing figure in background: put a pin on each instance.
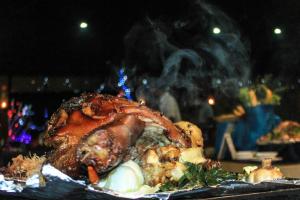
(160, 99)
(255, 118)
(169, 106)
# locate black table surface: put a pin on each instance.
(281, 194)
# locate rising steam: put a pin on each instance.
(186, 55)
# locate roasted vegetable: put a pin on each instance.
(193, 132)
(93, 176)
(266, 173)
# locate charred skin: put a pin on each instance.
(64, 159)
(106, 147)
(82, 116)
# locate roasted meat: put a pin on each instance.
(101, 117)
(106, 147)
(266, 173)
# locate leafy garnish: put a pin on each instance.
(197, 176)
(168, 186)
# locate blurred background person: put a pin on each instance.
(169, 106)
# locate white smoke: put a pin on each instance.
(188, 55)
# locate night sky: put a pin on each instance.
(44, 38)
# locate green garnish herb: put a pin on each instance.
(197, 176)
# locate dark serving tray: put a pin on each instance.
(59, 189)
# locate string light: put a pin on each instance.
(145, 82)
(211, 101)
(45, 81)
(83, 25)
(23, 138)
(20, 124)
(3, 104)
(277, 31)
(67, 81)
(216, 30)
(121, 83)
(101, 88)
(46, 114)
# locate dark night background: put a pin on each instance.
(43, 39)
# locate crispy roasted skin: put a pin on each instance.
(84, 115)
(106, 147)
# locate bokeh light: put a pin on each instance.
(211, 101)
(216, 30)
(277, 31)
(3, 104)
(83, 25)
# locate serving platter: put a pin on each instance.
(61, 190)
(60, 186)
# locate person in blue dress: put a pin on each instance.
(258, 119)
